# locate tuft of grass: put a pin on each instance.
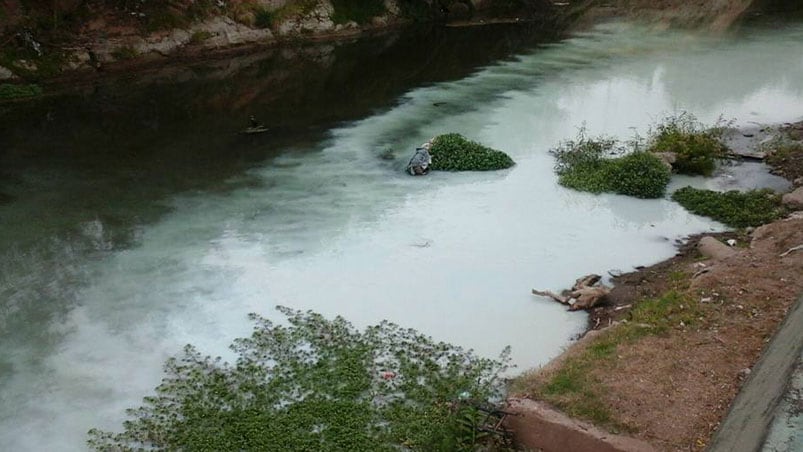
(732, 208)
(586, 164)
(576, 392)
(200, 36)
(453, 152)
(125, 53)
(697, 148)
(784, 151)
(10, 91)
(787, 158)
(360, 11)
(264, 18)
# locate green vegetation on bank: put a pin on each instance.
(10, 91)
(574, 387)
(360, 11)
(453, 152)
(695, 146)
(586, 164)
(317, 384)
(125, 53)
(732, 208)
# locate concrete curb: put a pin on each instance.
(536, 426)
(747, 424)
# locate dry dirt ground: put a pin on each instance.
(673, 388)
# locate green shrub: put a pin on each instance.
(263, 18)
(582, 164)
(588, 164)
(125, 53)
(316, 384)
(733, 208)
(697, 147)
(639, 174)
(11, 91)
(360, 11)
(453, 152)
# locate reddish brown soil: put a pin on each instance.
(673, 389)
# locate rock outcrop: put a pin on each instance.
(714, 249)
(794, 199)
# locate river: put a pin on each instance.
(134, 219)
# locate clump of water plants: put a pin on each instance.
(317, 384)
(732, 208)
(453, 152)
(601, 164)
(11, 91)
(696, 147)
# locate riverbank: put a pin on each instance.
(43, 42)
(68, 41)
(678, 339)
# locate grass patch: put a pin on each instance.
(125, 53)
(264, 18)
(787, 158)
(672, 310)
(453, 152)
(10, 91)
(783, 152)
(733, 208)
(697, 148)
(39, 66)
(200, 36)
(574, 387)
(360, 11)
(586, 164)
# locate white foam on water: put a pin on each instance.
(343, 232)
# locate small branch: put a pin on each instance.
(584, 293)
(552, 295)
(791, 250)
